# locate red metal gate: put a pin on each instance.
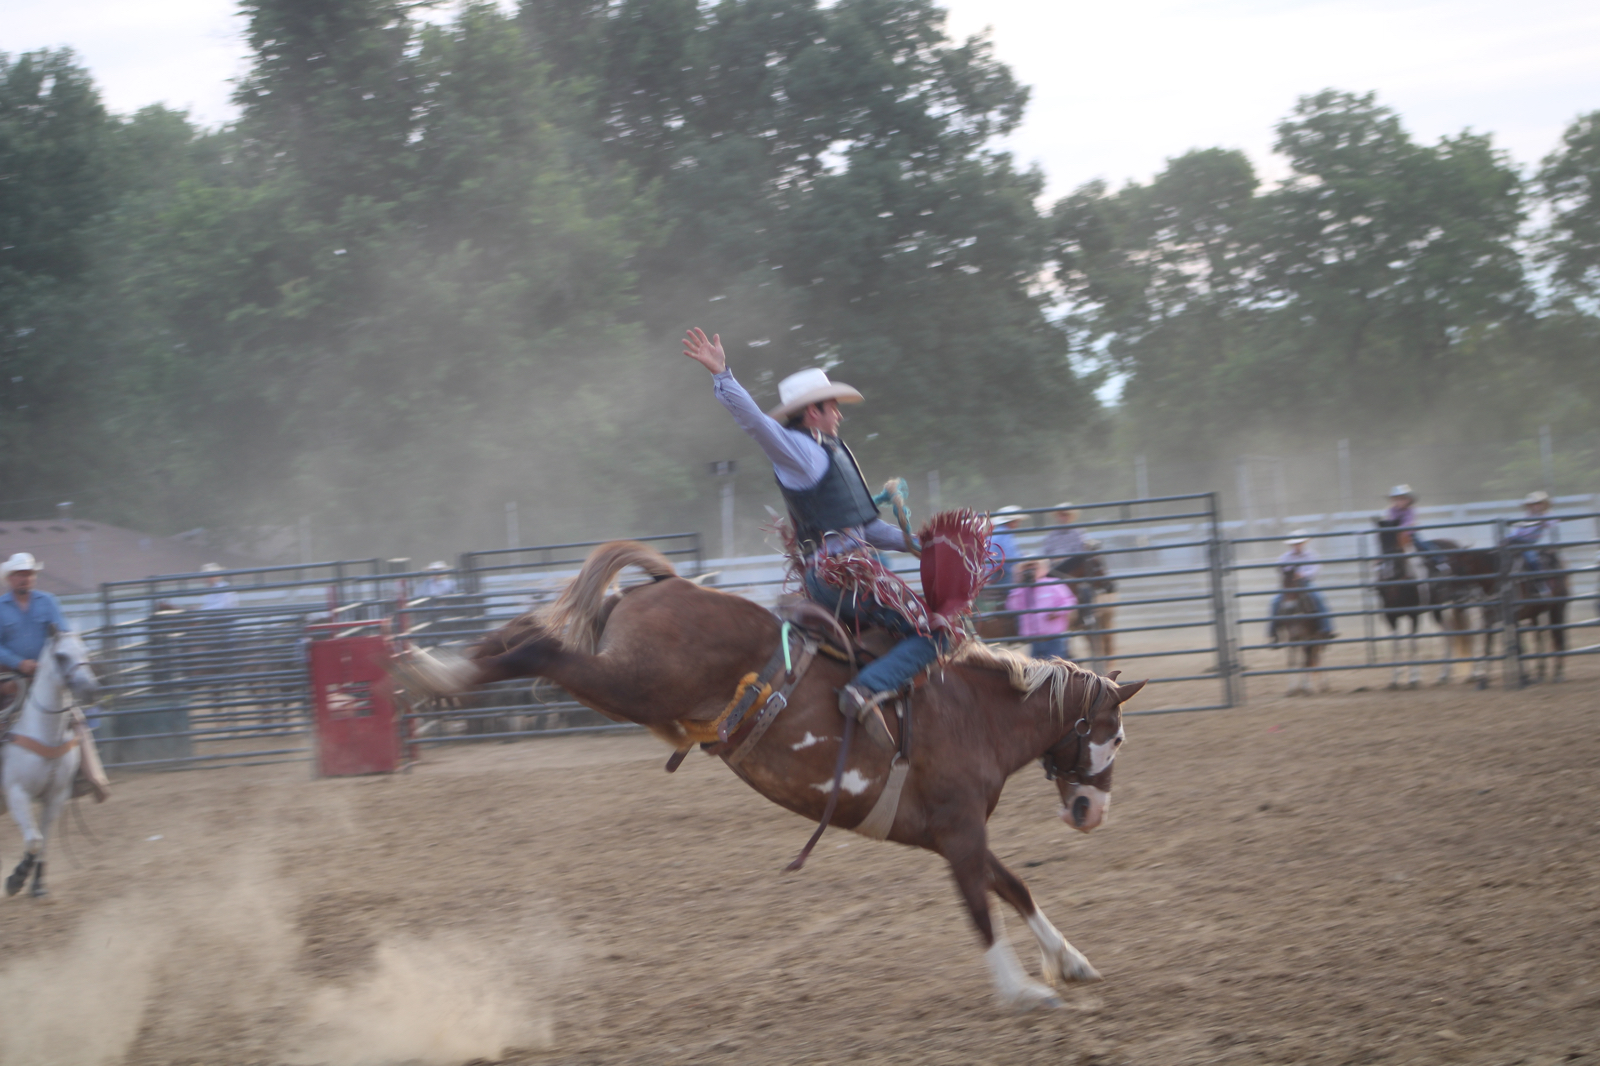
(357, 723)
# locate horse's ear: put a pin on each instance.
(1113, 675)
(1130, 690)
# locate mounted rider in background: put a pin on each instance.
(1402, 513)
(1305, 563)
(832, 511)
(1535, 534)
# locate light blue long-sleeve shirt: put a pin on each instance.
(1531, 531)
(23, 633)
(797, 459)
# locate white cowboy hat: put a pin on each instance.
(809, 386)
(1536, 496)
(19, 561)
(1012, 514)
(1401, 489)
(439, 564)
(211, 568)
(1299, 536)
(1066, 505)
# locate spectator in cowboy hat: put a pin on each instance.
(1004, 538)
(1065, 542)
(221, 597)
(1300, 555)
(438, 582)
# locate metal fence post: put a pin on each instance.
(1511, 673)
(1219, 606)
(1369, 608)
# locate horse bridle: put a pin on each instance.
(1052, 766)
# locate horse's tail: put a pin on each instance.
(576, 614)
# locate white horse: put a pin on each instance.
(40, 757)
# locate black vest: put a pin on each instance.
(840, 500)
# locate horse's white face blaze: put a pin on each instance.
(1084, 806)
(1101, 754)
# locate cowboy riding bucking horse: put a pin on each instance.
(832, 513)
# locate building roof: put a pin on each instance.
(77, 555)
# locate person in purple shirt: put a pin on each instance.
(832, 511)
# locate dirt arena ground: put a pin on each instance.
(1362, 877)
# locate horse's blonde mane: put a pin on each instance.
(1028, 675)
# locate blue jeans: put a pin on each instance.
(904, 661)
(1319, 607)
(1044, 649)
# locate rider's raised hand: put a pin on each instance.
(706, 352)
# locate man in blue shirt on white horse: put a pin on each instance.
(832, 510)
(29, 617)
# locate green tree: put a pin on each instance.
(55, 182)
(1570, 182)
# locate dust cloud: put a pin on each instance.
(429, 1001)
(83, 1005)
(216, 965)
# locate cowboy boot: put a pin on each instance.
(863, 707)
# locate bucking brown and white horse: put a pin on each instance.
(669, 655)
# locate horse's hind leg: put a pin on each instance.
(967, 857)
(1061, 961)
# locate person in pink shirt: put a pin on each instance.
(1047, 608)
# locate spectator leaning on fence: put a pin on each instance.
(1300, 555)
(1064, 545)
(438, 582)
(221, 597)
(1047, 608)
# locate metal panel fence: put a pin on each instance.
(1166, 619)
(210, 669)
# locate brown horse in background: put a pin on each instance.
(1538, 599)
(1095, 615)
(670, 652)
(1295, 620)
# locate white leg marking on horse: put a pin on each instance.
(1011, 982)
(1061, 961)
(807, 741)
(852, 782)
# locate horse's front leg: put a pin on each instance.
(967, 855)
(1060, 960)
(21, 805)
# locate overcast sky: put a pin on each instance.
(1117, 87)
